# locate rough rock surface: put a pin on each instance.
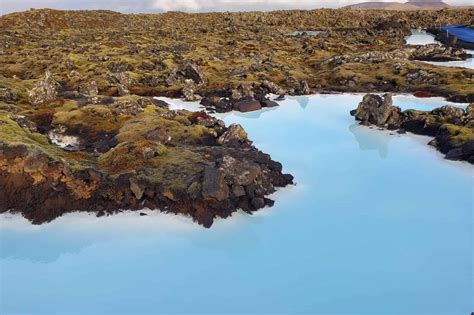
(44, 91)
(452, 127)
(377, 110)
(174, 161)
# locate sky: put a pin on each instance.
(147, 6)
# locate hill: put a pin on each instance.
(397, 6)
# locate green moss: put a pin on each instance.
(458, 135)
(11, 134)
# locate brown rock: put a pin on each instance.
(214, 185)
(248, 105)
(136, 188)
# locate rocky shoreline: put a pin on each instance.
(81, 129)
(212, 173)
(452, 127)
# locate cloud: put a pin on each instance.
(143, 6)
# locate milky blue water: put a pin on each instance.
(420, 37)
(377, 224)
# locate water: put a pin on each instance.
(377, 224)
(419, 37)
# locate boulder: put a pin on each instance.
(238, 191)
(191, 71)
(248, 105)
(268, 103)
(136, 188)
(437, 52)
(450, 113)
(470, 111)
(189, 91)
(419, 76)
(7, 95)
(377, 110)
(234, 134)
(214, 185)
(239, 172)
(272, 88)
(45, 90)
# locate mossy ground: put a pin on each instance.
(84, 46)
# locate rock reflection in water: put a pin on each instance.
(370, 139)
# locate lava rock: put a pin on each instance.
(248, 105)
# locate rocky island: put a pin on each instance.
(452, 127)
(81, 129)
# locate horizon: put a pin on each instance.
(191, 6)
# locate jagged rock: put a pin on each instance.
(451, 126)
(236, 95)
(150, 80)
(214, 185)
(88, 88)
(247, 105)
(129, 107)
(137, 188)
(234, 134)
(268, 103)
(419, 76)
(298, 87)
(220, 105)
(450, 113)
(189, 91)
(432, 52)
(45, 90)
(238, 191)
(121, 78)
(172, 78)
(437, 52)
(257, 202)
(303, 88)
(122, 90)
(191, 71)
(470, 111)
(7, 95)
(238, 172)
(273, 88)
(377, 110)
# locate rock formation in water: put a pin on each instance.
(134, 154)
(452, 127)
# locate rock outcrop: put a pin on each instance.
(45, 90)
(378, 110)
(452, 127)
(173, 161)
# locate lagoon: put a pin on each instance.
(377, 223)
(420, 37)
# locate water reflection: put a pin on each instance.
(292, 258)
(370, 139)
(303, 101)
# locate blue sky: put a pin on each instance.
(138, 6)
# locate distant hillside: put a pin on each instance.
(410, 5)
